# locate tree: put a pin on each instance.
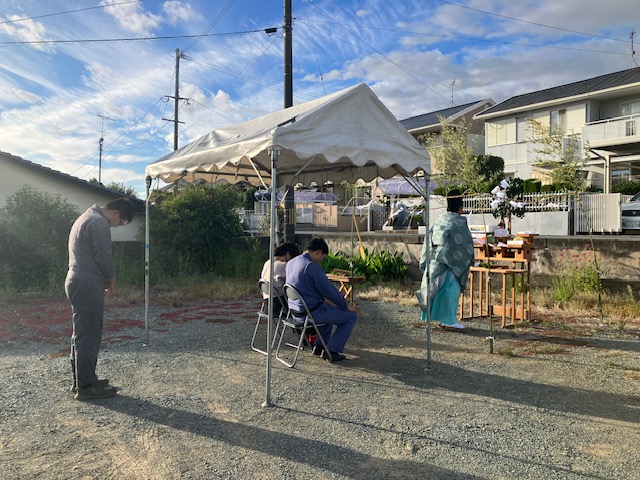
(116, 187)
(34, 230)
(191, 229)
(453, 162)
(490, 170)
(122, 188)
(561, 154)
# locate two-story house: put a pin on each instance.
(455, 116)
(601, 114)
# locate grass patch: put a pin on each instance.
(506, 352)
(544, 349)
(395, 292)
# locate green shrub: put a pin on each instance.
(548, 188)
(375, 266)
(191, 231)
(574, 274)
(34, 231)
(532, 185)
(630, 187)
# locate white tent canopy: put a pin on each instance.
(348, 135)
(343, 136)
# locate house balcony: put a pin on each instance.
(619, 135)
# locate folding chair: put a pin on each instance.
(263, 315)
(299, 328)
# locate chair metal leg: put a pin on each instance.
(264, 316)
(283, 329)
(299, 346)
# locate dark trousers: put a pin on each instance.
(87, 303)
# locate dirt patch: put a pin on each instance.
(190, 400)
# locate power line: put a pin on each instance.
(247, 68)
(379, 52)
(476, 39)
(67, 12)
(213, 23)
(135, 39)
(532, 23)
(251, 79)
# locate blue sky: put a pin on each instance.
(417, 56)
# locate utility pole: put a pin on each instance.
(289, 200)
(100, 142)
(176, 99)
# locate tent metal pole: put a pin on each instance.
(427, 243)
(146, 264)
(272, 236)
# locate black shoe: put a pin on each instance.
(318, 350)
(335, 357)
(102, 383)
(95, 392)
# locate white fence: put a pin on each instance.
(597, 212)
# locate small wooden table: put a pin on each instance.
(345, 282)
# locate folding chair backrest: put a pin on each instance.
(264, 289)
(264, 286)
(292, 294)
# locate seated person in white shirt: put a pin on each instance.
(282, 254)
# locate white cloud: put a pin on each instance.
(24, 96)
(177, 11)
(50, 98)
(132, 17)
(24, 30)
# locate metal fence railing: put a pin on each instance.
(534, 202)
(597, 212)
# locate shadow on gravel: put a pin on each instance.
(558, 337)
(412, 372)
(315, 453)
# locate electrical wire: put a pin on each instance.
(476, 39)
(133, 39)
(380, 53)
(213, 23)
(252, 79)
(247, 68)
(15, 20)
(532, 23)
(447, 85)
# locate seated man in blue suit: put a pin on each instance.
(326, 303)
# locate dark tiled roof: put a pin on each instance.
(138, 204)
(433, 118)
(582, 87)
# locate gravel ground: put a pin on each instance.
(554, 404)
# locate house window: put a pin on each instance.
(630, 108)
(630, 128)
(558, 120)
(521, 129)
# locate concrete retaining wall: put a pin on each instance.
(618, 256)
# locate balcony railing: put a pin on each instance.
(612, 128)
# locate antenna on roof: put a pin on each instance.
(633, 50)
(102, 119)
(453, 82)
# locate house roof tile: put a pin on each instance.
(138, 203)
(582, 87)
(433, 118)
